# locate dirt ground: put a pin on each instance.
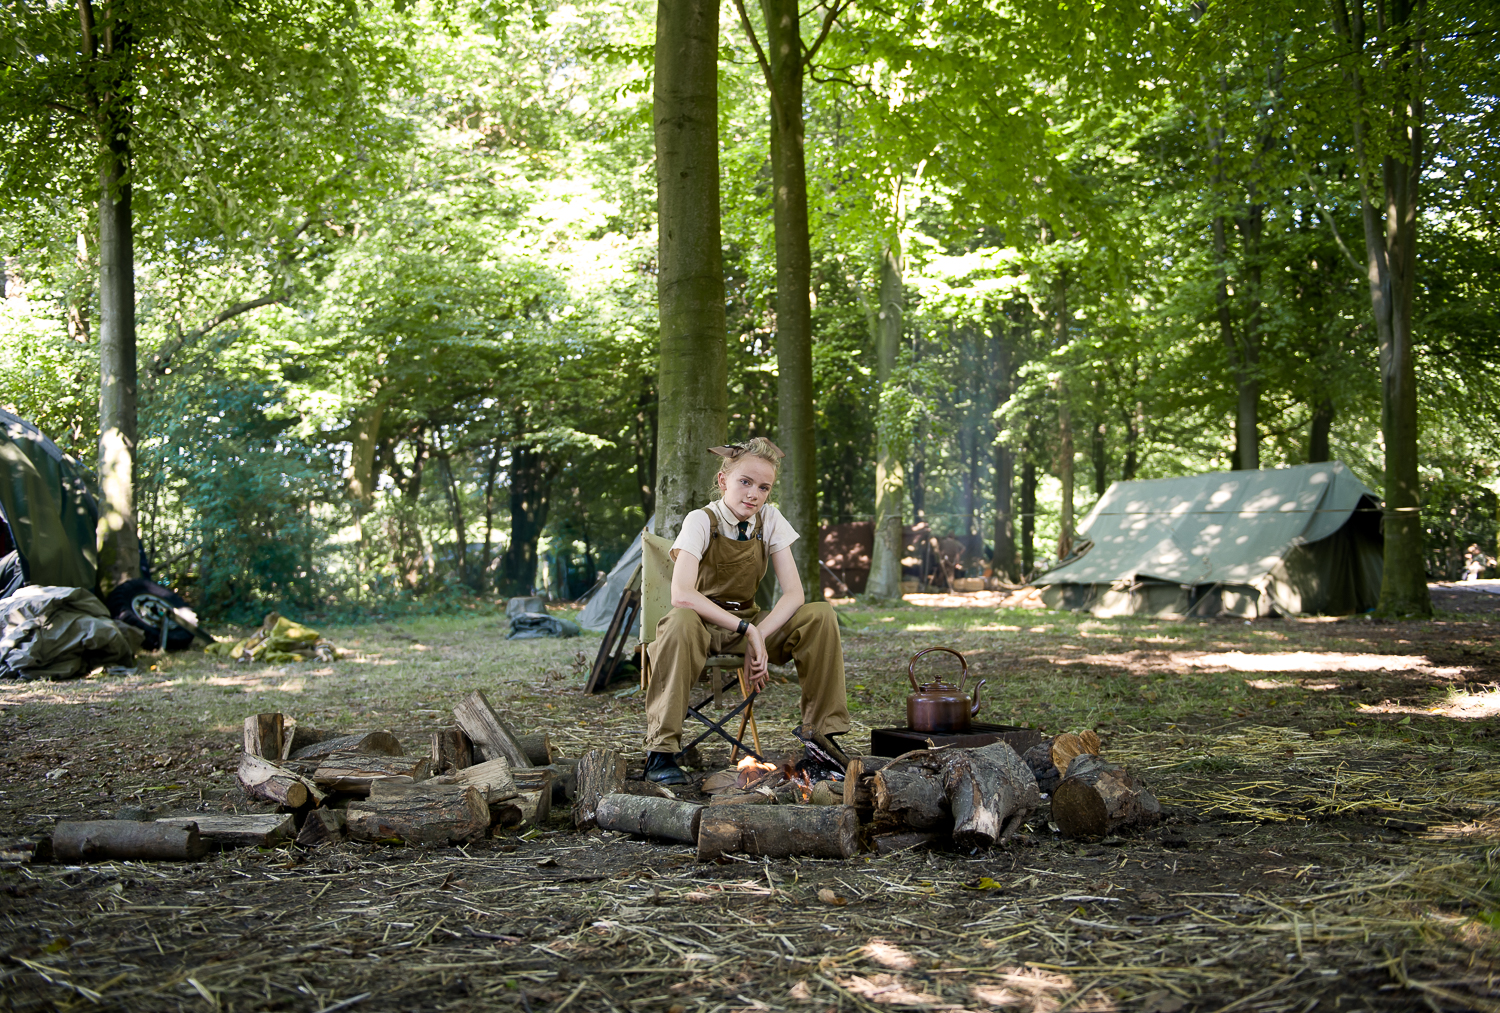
(1332, 837)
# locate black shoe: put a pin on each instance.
(662, 768)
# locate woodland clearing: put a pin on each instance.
(1333, 830)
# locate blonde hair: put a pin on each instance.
(757, 446)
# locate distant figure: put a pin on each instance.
(1475, 563)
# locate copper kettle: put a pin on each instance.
(938, 706)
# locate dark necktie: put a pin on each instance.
(743, 525)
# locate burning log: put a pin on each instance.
(490, 735)
(259, 830)
(269, 782)
(451, 750)
(777, 831)
(667, 819)
(1097, 798)
(353, 772)
(101, 840)
(323, 826)
(601, 772)
(991, 792)
(374, 743)
(421, 814)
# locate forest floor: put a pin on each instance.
(1332, 838)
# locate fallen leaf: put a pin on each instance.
(983, 883)
(827, 896)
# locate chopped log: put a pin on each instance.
(600, 772)
(492, 736)
(451, 750)
(827, 793)
(537, 747)
(777, 831)
(859, 784)
(889, 844)
(494, 779)
(535, 805)
(1039, 759)
(263, 734)
(302, 736)
(373, 743)
(909, 790)
(323, 827)
(353, 772)
(269, 782)
(16, 851)
(259, 830)
(422, 815)
(1097, 798)
(991, 792)
(743, 798)
(667, 819)
(534, 778)
(647, 789)
(101, 840)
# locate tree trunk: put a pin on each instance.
(1319, 429)
(1132, 442)
(1003, 562)
(693, 381)
(487, 550)
(426, 814)
(798, 480)
(645, 448)
(1028, 518)
(1064, 469)
(363, 435)
(1099, 455)
(885, 556)
(530, 497)
(354, 772)
(1391, 255)
(118, 544)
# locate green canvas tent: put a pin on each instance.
(46, 509)
(1290, 541)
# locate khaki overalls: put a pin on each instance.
(730, 571)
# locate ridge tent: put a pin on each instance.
(48, 515)
(1291, 541)
(596, 615)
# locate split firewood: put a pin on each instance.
(373, 743)
(827, 793)
(258, 830)
(537, 747)
(263, 735)
(1039, 759)
(451, 750)
(667, 819)
(535, 805)
(889, 844)
(777, 831)
(494, 779)
(1097, 798)
(859, 784)
(101, 840)
(909, 791)
(1068, 745)
(323, 826)
(766, 797)
(600, 772)
(490, 735)
(720, 780)
(353, 772)
(270, 782)
(647, 789)
(15, 851)
(302, 736)
(422, 814)
(991, 792)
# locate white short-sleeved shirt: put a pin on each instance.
(695, 532)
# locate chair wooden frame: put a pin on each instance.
(656, 602)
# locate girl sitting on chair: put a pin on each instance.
(719, 558)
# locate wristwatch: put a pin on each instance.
(744, 625)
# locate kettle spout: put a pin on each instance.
(975, 709)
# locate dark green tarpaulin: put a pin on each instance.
(46, 503)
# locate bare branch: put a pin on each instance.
(828, 20)
(163, 357)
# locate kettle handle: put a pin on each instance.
(911, 669)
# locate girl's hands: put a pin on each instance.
(756, 659)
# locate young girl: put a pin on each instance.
(719, 559)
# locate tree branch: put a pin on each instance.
(163, 357)
(760, 55)
(828, 20)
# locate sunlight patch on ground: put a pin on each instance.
(1307, 661)
(923, 628)
(991, 628)
(1029, 598)
(1308, 684)
(1460, 706)
(887, 954)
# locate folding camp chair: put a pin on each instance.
(656, 602)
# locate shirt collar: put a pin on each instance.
(729, 522)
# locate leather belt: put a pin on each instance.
(732, 606)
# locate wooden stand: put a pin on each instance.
(1097, 798)
(777, 831)
(667, 819)
(612, 648)
(102, 840)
